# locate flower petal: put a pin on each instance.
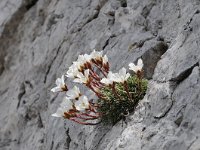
(58, 81)
(59, 113)
(140, 63)
(77, 80)
(56, 89)
(66, 104)
(82, 104)
(63, 80)
(86, 73)
(127, 76)
(133, 67)
(122, 72)
(73, 93)
(105, 59)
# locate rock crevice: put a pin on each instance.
(39, 40)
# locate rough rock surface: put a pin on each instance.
(39, 39)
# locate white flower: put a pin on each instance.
(82, 59)
(82, 78)
(61, 86)
(73, 71)
(65, 106)
(96, 55)
(137, 67)
(106, 81)
(82, 104)
(105, 60)
(59, 113)
(109, 80)
(122, 76)
(73, 93)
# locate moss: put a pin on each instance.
(114, 108)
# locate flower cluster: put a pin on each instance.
(93, 71)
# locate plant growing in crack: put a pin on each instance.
(116, 94)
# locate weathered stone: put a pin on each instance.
(41, 38)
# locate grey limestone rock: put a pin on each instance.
(39, 39)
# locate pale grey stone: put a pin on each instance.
(39, 39)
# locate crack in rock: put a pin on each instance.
(40, 123)
(30, 4)
(68, 140)
(159, 116)
(54, 58)
(183, 75)
(152, 56)
(22, 92)
(147, 9)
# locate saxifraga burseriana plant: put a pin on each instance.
(117, 94)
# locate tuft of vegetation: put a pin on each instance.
(118, 104)
(118, 94)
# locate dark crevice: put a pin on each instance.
(68, 140)
(150, 136)
(52, 144)
(185, 74)
(53, 99)
(22, 91)
(3, 92)
(190, 145)
(179, 120)
(11, 26)
(53, 19)
(197, 11)
(147, 9)
(179, 116)
(107, 41)
(100, 140)
(1, 65)
(40, 123)
(31, 113)
(166, 112)
(123, 3)
(6, 143)
(138, 44)
(106, 44)
(93, 17)
(50, 65)
(9, 33)
(176, 81)
(152, 56)
(187, 28)
(102, 132)
(29, 84)
(89, 20)
(30, 4)
(102, 3)
(27, 117)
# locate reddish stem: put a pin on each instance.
(88, 118)
(94, 75)
(88, 115)
(100, 69)
(115, 92)
(98, 94)
(126, 89)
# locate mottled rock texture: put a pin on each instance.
(39, 39)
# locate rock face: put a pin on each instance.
(39, 39)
